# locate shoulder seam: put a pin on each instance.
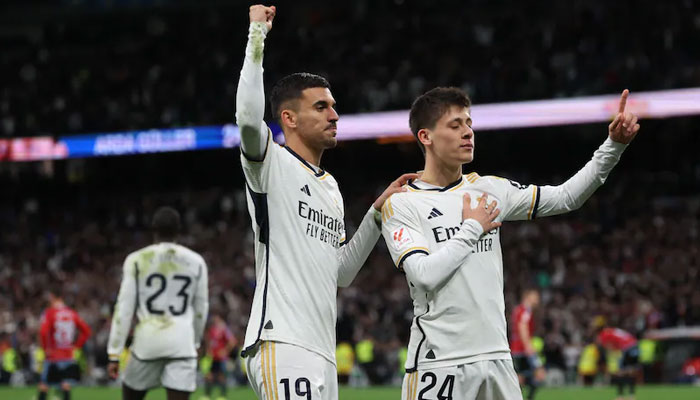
(267, 147)
(387, 209)
(472, 177)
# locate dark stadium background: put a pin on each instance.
(632, 253)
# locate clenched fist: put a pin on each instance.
(260, 13)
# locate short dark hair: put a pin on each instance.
(166, 223)
(429, 107)
(290, 88)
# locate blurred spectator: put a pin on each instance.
(174, 65)
(691, 371)
(582, 270)
(631, 254)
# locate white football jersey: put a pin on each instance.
(464, 320)
(167, 285)
(297, 214)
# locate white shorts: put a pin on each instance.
(279, 371)
(481, 380)
(176, 374)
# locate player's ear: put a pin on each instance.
(424, 136)
(288, 118)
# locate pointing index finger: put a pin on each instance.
(623, 100)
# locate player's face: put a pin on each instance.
(452, 139)
(317, 118)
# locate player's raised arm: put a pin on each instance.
(201, 304)
(354, 253)
(123, 314)
(409, 248)
(528, 202)
(250, 98)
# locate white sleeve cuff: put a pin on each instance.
(614, 146)
(470, 225)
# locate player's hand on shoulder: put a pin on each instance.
(261, 13)
(482, 213)
(394, 187)
(624, 127)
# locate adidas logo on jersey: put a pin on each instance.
(434, 213)
(305, 190)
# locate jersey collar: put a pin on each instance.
(423, 186)
(318, 172)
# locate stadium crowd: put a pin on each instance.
(83, 69)
(630, 255)
(635, 265)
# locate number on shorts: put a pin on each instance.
(163, 283)
(433, 379)
(447, 386)
(303, 392)
(445, 392)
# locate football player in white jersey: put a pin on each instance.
(302, 253)
(458, 346)
(166, 284)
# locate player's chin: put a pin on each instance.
(330, 142)
(466, 158)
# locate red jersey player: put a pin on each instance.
(220, 342)
(691, 370)
(62, 332)
(620, 340)
(525, 359)
(616, 339)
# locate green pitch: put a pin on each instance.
(387, 393)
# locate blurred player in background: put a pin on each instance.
(525, 359)
(219, 342)
(62, 332)
(615, 339)
(302, 253)
(166, 284)
(454, 267)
